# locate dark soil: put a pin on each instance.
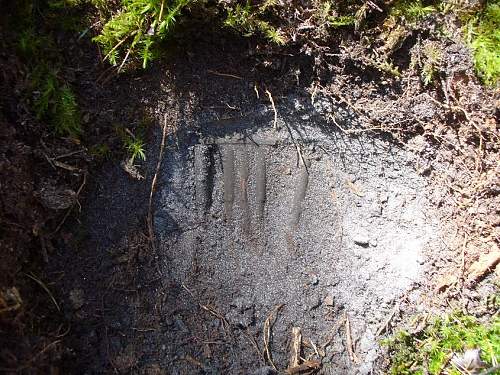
(365, 235)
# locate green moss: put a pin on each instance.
(51, 97)
(137, 28)
(411, 10)
(341, 21)
(431, 62)
(484, 38)
(430, 350)
(248, 20)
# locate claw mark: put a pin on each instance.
(300, 194)
(260, 188)
(203, 165)
(228, 166)
(244, 191)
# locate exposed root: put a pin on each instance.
(44, 287)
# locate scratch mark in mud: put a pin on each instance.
(203, 165)
(260, 187)
(298, 198)
(228, 166)
(244, 191)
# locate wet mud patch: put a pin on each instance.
(328, 239)
(260, 229)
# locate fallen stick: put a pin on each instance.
(153, 185)
(296, 347)
(350, 346)
(275, 122)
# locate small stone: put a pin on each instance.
(373, 243)
(328, 301)
(361, 240)
(314, 279)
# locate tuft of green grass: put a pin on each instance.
(483, 32)
(137, 28)
(430, 351)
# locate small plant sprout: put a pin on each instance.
(431, 62)
(135, 148)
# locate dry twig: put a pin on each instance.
(350, 346)
(275, 122)
(267, 334)
(224, 74)
(296, 347)
(153, 184)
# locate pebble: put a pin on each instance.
(361, 240)
(328, 301)
(314, 279)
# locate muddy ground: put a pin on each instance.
(252, 237)
(244, 225)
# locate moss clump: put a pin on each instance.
(430, 351)
(248, 20)
(136, 29)
(484, 38)
(51, 97)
